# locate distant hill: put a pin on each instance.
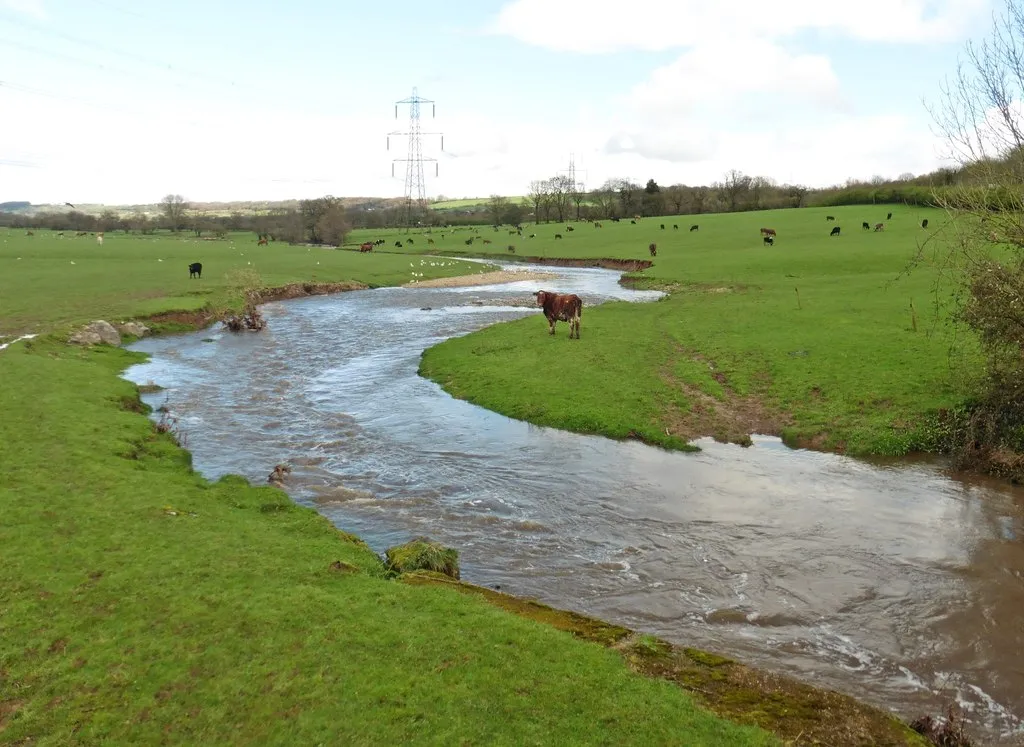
(14, 207)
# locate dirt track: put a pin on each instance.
(482, 278)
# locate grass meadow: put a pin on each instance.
(143, 604)
(814, 338)
(51, 280)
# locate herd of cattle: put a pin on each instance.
(559, 307)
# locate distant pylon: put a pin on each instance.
(415, 205)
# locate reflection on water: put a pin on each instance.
(890, 581)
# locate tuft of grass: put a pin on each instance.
(423, 555)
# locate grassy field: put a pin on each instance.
(49, 280)
(812, 338)
(142, 604)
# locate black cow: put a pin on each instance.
(830, 217)
(558, 235)
(694, 227)
(195, 270)
(865, 226)
(561, 308)
(924, 223)
(889, 216)
(662, 226)
(769, 240)
(675, 227)
(835, 231)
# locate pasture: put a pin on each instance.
(143, 603)
(48, 279)
(812, 337)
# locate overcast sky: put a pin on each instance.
(126, 101)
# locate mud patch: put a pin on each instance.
(731, 419)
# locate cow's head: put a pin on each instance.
(541, 296)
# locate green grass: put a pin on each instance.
(812, 335)
(139, 275)
(143, 604)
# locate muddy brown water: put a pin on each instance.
(891, 580)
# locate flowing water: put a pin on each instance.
(890, 580)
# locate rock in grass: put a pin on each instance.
(95, 333)
(423, 555)
(136, 329)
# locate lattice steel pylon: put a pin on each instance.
(415, 205)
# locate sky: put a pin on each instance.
(123, 102)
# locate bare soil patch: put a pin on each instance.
(730, 420)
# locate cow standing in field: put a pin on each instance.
(367, 247)
(830, 217)
(835, 231)
(694, 227)
(924, 223)
(195, 270)
(261, 242)
(560, 307)
(768, 232)
(889, 216)
(653, 249)
(99, 238)
(879, 226)
(865, 226)
(769, 241)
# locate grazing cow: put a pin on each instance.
(533, 235)
(469, 241)
(889, 216)
(769, 240)
(408, 241)
(830, 217)
(512, 248)
(865, 226)
(615, 220)
(261, 242)
(558, 235)
(511, 232)
(560, 307)
(597, 225)
(430, 242)
(879, 226)
(675, 227)
(30, 233)
(398, 244)
(835, 231)
(367, 247)
(569, 228)
(767, 231)
(61, 234)
(924, 223)
(662, 226)
(694, 227)
(487, 241)
(653, 249)
(633, 222)
(195, 270)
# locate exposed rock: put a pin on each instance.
(136, 329)
(277, 476)
(95, 333)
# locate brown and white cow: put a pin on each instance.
(561, 307)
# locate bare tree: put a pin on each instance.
(982, 253)
(736, 185)
(174, 208)
(675, 196)
(538, 197)
(497, 206)
(560, 195)
(578, 194)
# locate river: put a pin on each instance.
(891, 580)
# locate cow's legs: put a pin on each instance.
(552, 323)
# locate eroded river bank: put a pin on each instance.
(891, 581)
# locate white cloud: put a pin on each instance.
(33, 8)
(595, 26)
(755, 70)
